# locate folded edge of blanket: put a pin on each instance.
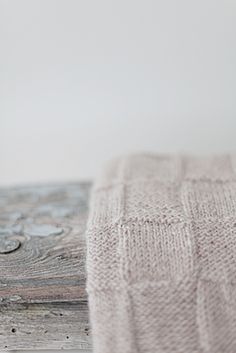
(161, 255)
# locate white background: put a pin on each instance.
(82, 81)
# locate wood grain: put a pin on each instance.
(43, 301)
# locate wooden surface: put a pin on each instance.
(43, 301)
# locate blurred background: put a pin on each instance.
(83, 81)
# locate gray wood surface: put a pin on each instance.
(43, 301)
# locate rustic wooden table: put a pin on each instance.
(43, 301)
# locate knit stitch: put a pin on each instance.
(161, 255)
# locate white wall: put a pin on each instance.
(82, 81)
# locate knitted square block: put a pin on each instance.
(206, 199)
(216, 249)
(154, 201)
(166, 251)
(216, 316)
(162, 168)
(167, 311)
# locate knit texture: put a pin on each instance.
(161, 258)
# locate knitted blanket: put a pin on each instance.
(161, 258)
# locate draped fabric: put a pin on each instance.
(161, 255)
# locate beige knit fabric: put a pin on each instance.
(161, 258)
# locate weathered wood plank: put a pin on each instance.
(45, 326)
(42, 267)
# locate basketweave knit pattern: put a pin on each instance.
(161, 258)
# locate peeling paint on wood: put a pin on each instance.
(8, 245)
(42, 230)
(43, 302)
